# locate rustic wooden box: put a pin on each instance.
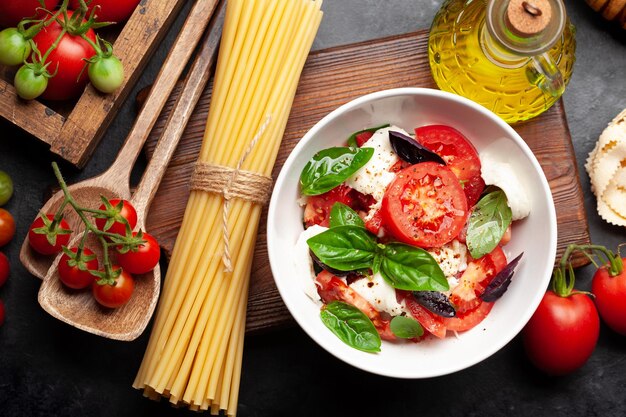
(73, 129)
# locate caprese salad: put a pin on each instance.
(404, 233)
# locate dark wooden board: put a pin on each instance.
(331, 78)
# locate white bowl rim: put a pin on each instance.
(420, 91)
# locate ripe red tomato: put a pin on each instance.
(110, 10)
(38, 236)
(474, 281)
(7, 227)
(74, 272)
(67, 60)
(144, 259)
(562, 333)
(118, 213)
(610, 295)
(1, 313)
(468, 319)
(430, 321)
(317, 210)
(12, 12)
(460, 156)
(114, 296)
(424, 205)
(5, 268)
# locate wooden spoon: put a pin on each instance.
(79, 308)
(115, 182)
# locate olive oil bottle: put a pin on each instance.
(514, 57)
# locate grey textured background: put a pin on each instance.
(48, 368)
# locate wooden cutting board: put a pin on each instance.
(331, 78)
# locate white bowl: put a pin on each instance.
(535, 236)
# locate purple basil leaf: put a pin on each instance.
(435, 302)
(500, 283)
(410, 150)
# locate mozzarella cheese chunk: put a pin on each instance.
(502, 174)
(379, 294)
(452, 259)
(303, 263)
(374, 177)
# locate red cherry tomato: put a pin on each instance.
(144, 259)
(424, 205)
(67, 60)
(610, 292)
(5, 268)
(7, 227)
(317, 210)
(474, 281)
(38, 235)
(110, 10)
(468, 319)
(118, 213)
(114, 296)
(562, 333)
(460, 156)
(1, 313)
(74, 273)
(13, 11)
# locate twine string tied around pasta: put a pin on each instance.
(233, 183)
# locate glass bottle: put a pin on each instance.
(514, 57)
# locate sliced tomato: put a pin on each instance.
(469, 319)
(361, 138)
(374, 223)
(430, 321)
(318, 207)
(330, 288)
(424, 205)
(479, 273)
(458, 152)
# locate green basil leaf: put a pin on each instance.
(342, 215)
(487, 224)
(406, 327)
(351, 325)
(345, 248)
(330, 167)
(352, 139)
(413, 269)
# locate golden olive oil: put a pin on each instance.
(465, 59)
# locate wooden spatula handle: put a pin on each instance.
(193, 87)
(175, 63)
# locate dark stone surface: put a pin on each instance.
(48, 368)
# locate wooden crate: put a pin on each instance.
(73, 129)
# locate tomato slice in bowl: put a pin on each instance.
(469, 319)
(317, 210)
(479, 273)
(460, 156)
(425, 205)
(431, 322)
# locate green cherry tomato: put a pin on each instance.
(14, 48)
(6, 188)
(28, 84)
(106, 74)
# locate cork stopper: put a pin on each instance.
(528, 17)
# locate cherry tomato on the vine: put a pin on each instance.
(14, 48)
(106, 74)
(610, 292)
(6, 188)
(562, 333)
(29, 84)
(143, 259)
(7, 227)
(46, 239)
(66, 60)
(74, 271)
(116, 295)
(108, 10)
(117, 211)
(13, 11)
(5, 268)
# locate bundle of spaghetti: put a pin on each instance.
(195, 351)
